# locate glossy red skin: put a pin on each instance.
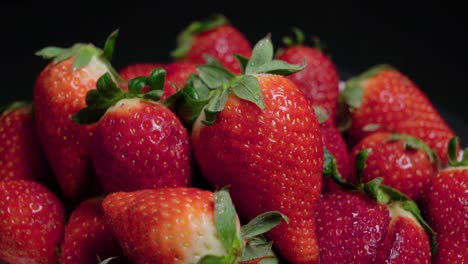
(336, 145)
(58, 94)
(407, 170)
(32, 223)
(272, 159)
(88, 235)
(350, 228)
(447, 214)
(21, 156)
(319, 80)
(395, 102)
(406, 243)
(148, 222)
(220, 43)
(177, 74)
(141, 145)
(138, 69)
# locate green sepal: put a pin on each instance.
(242, 61)
(372, 127)
(108, 93)
(414, 143)
(298, 38)
(215, 106)
(262, 224)
(109, 45)
(321, 114)
(226, 222)
(184, 40)
(213, 76)
(453, 154)
(373, 189)
(259, 248)
(210, 60)
(105, 261)
(211, 259)
(410, 206)
(330, 170)
(248, 88)
(360, 164)
(15, 105)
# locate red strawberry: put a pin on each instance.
(180, 225)
(31, 223)
(138, 143)
(404, 162)
(371, 223)
(87, 236)
(334, 142)
(21, 155)
(319, 80)
(138, 69)
(259, 134)
(383, 98)
(447, 208)
(214, 37)
(59, 92)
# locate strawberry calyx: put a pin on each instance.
(15, 105)
(454, 161)
(375, 190)
(83, 53)
(225, 221)
(184, 40)
(298, 38)
(321, 114)
(208, 90)
(413, 143)
(108, 93)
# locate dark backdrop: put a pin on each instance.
(425, 41)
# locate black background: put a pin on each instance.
(424, 40)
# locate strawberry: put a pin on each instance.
(319, 80)
(384, 99)
(214, 37)
(88, 236)
(371, 223)
(32, 223)
(258, 133)
(405, 163)
(138, 143)
(183, 225)
(21, 155)
(447, 208)
(177, 74)
(138, 69)
(334, 142)
(59, 92)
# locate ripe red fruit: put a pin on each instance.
(88, 236)
(180, 225)
(138, 143)
(138, 69)
(59, 92)
(259, 134)
(319, 80)
(405, 163)
(384, 99)
(21, 156)
(215, 38)
(447, 209)
(31, 223)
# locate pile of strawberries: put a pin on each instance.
(228, 154)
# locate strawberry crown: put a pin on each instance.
(208, 90)
(376, 190)
(299, 39)
(108, 93)
(413, 143)
(453, 154)
(15, 105)
(83, 53)
(185, 38)
(225, 220)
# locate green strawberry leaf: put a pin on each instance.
(213, 76)
(243, 61)
(156, 79)
(413, 143)
(248, 88)
(211, 259)
(49, 53)
(372, 127)
(298, 40)
(329, 163)
(262, 224)
(135, 85)
(225, 219)
(321, 114)
(361, 158)
(372, 188)
(109, 45)
(105, 261)
(184, 40)
(262, 53)
(353, 93)
(15, 105)
(258, 250)
(215, 106)
(453, 154)
(210, 60)
(280, 67)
